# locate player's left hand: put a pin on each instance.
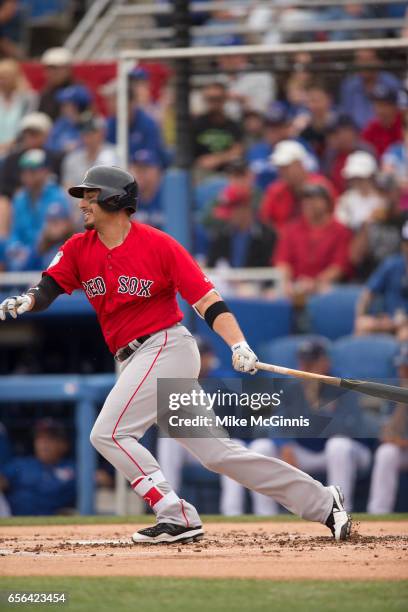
(16, 305)
(243, 358)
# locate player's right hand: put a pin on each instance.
(16, 305)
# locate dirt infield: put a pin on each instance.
(275, 551)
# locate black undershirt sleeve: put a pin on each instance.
(45, 293)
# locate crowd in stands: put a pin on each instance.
(296, 174)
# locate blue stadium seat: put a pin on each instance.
(208, 190)
(340, 303)
(261, 321)
(283, 351)
(365, 357)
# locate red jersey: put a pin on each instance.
(309, 249)
(133, 286)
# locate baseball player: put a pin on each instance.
(131, 274)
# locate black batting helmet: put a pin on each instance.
(117, 188)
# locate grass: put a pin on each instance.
(211, 595)
(19, 521)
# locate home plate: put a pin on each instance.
(100, 542)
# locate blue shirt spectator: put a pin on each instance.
(356, 89)
(35, 488)
(146, 167)
(144, 133)
(390, 281)
(65, 134)
(30, 207)
(44, 483)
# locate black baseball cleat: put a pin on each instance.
(168, 533)
(339, 522)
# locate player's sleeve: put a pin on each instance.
(64, 269)
(188, 278)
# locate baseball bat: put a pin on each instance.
(388, 392)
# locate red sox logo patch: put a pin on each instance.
(126, 284)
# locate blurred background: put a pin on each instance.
(276, 150)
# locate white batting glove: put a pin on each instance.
(16, 305)
(243, 358)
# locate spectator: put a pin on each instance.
(281, 201)
(339, 456)
(247, 90)
(392, 454)
(352, 11)
(385, 128)
(237, 174)
(144, 131)
(57, 63)
(380, 236)
(10, 28)
(319, 105)
(34, 130)
(240, 240)
(145, 167)
(16, 100)
(45, 483)
(218, 20)
(93, 150)
(395, 163)
(65, 134)
(390, 283)
(356, 89)
(216, 138)
(58, 227)
(253, 124)
(296, 85)
(313, 251)
(140, 90)
(277, 128)
(30, 207)
(343, 139)
(362, 198)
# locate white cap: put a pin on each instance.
(288, 151)
(109, 88)
(359, 164)
(57, 56)
(36, 121)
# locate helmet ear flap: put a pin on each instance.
(109, 204)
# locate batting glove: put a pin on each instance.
(16, 305)
(243, 358)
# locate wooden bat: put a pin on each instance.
(388, 392)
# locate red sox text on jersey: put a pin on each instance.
(132, 287)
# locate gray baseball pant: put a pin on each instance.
(131, 408)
